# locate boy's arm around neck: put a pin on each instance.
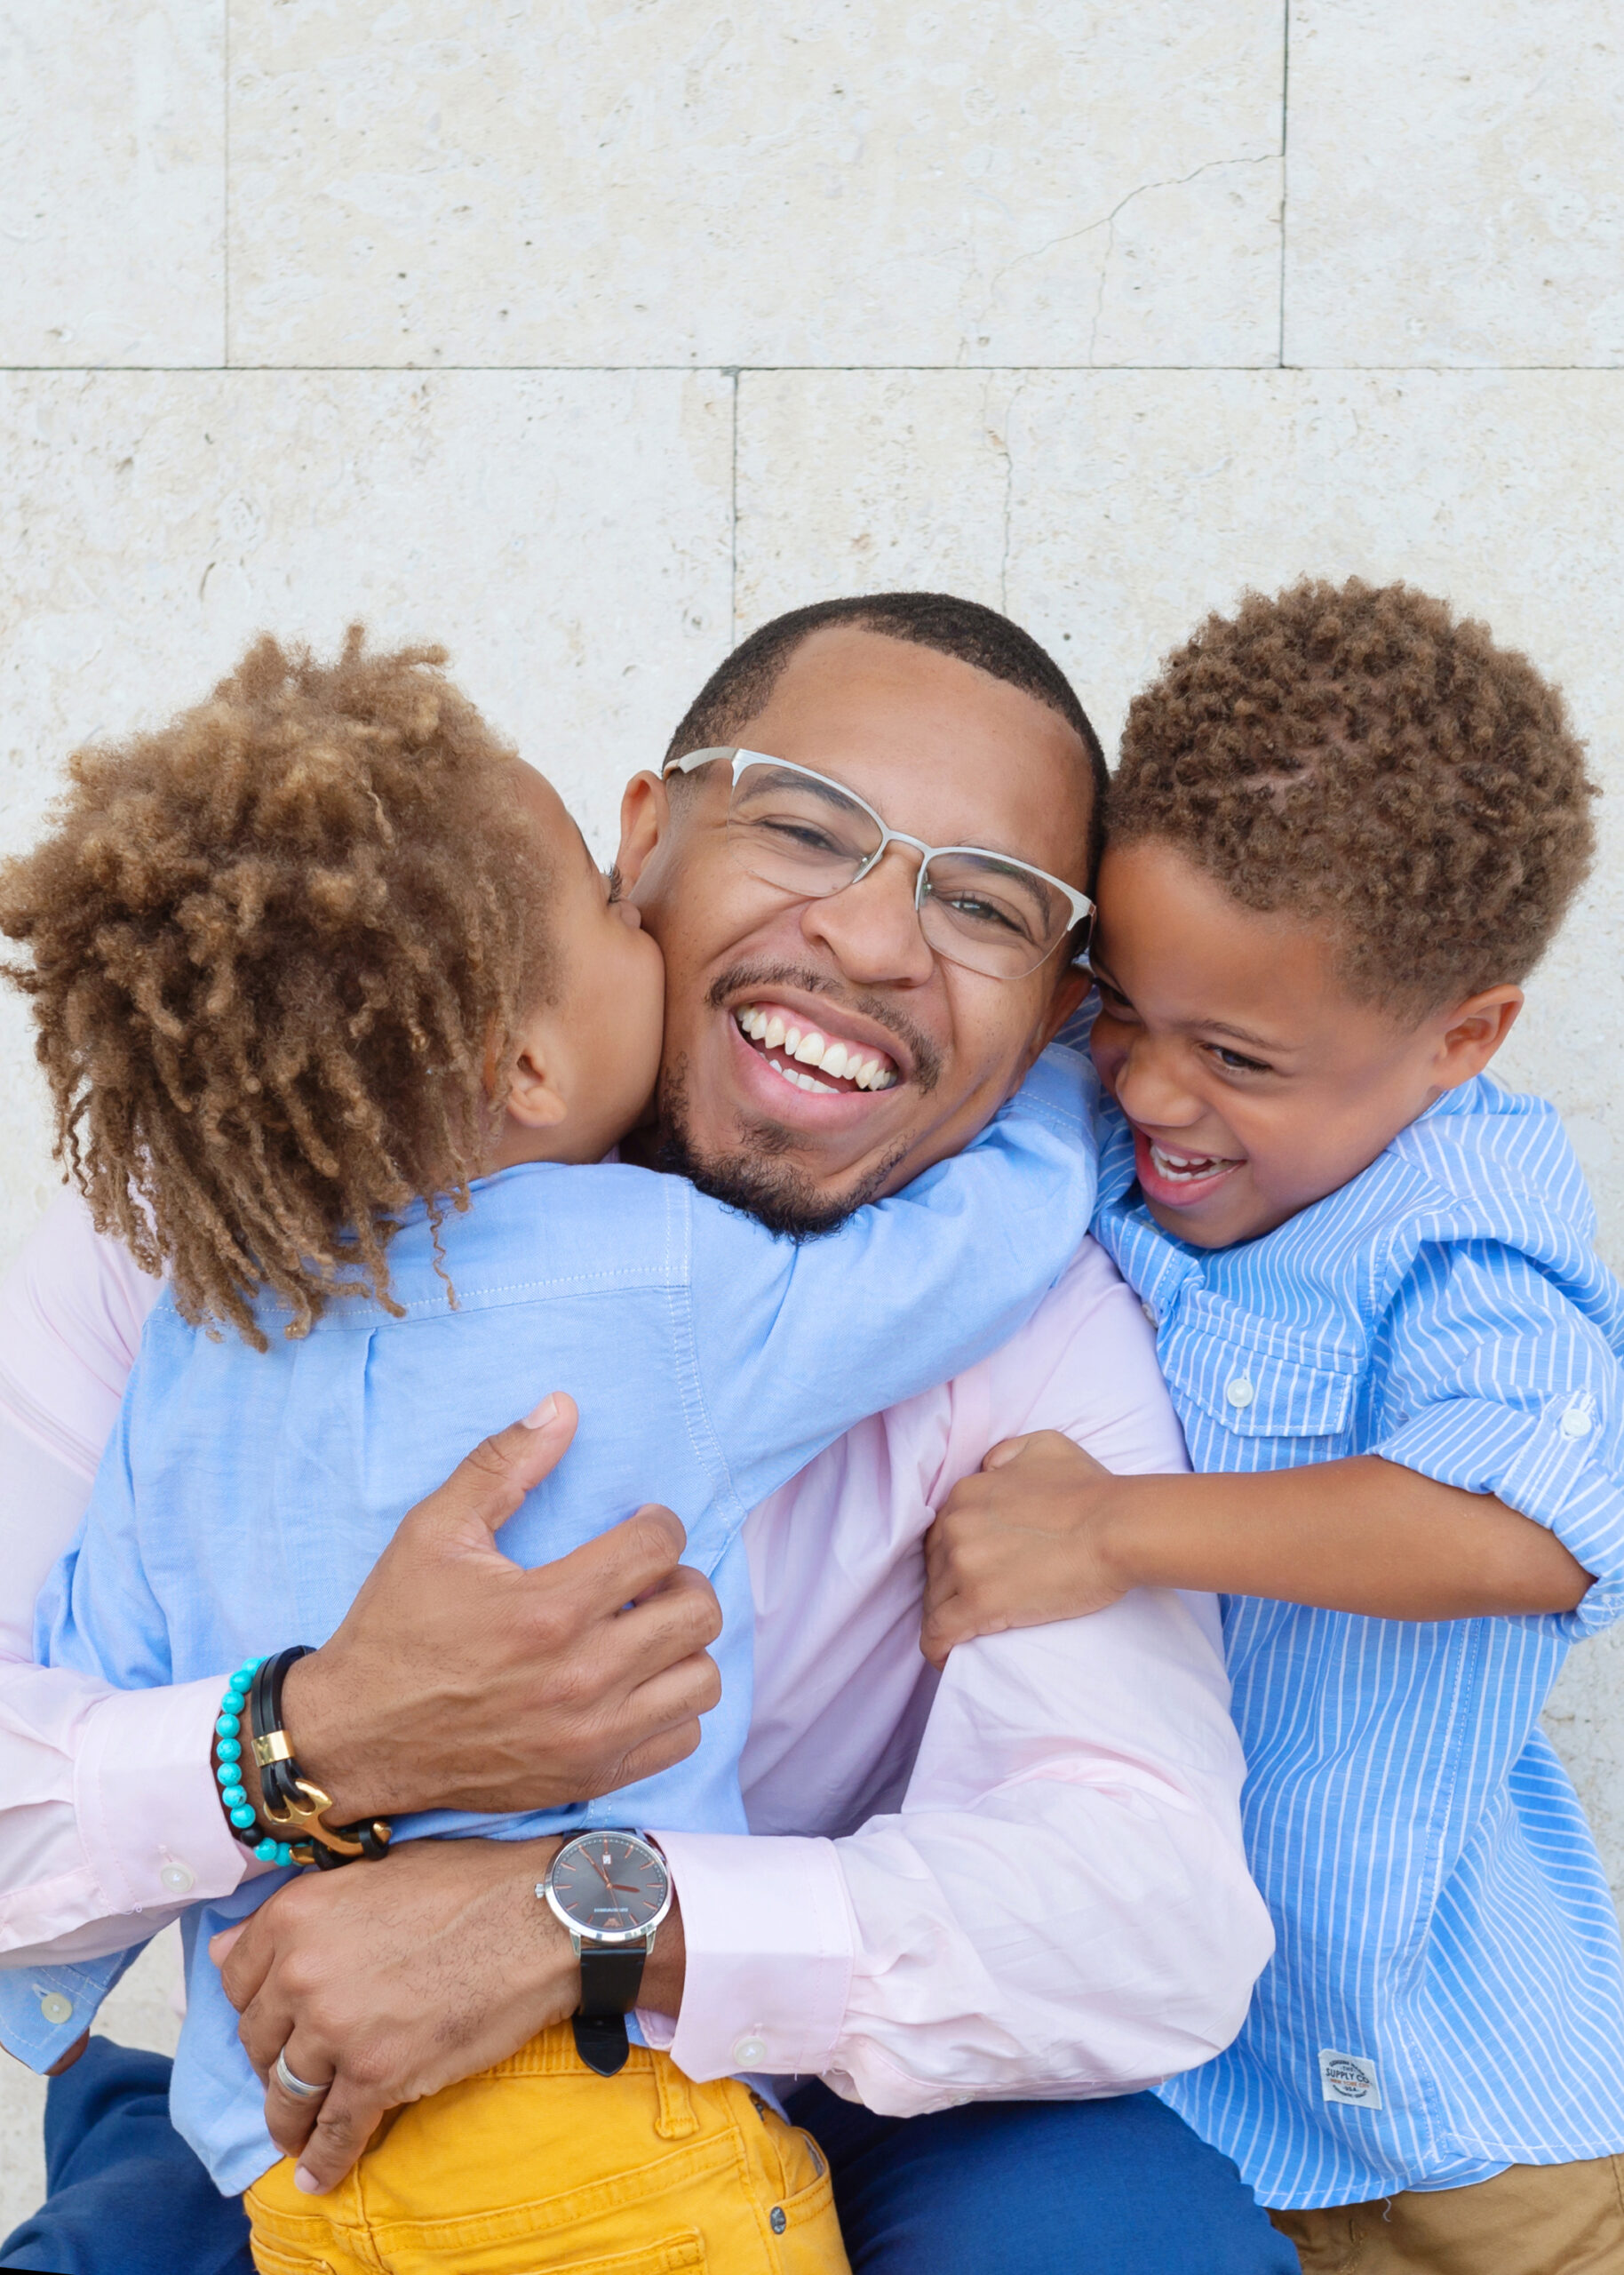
(794, 1342)
(1045, 1533)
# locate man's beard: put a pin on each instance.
(760, 1183)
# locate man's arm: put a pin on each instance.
(1045, 1532)
(1060, 1909)
(456, 1681)
(1005, 1932)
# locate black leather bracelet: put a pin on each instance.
(290, 1806)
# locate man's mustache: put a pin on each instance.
(760, 973)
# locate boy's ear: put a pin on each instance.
(533, 1100)
(1473, 1032)
(645, 819)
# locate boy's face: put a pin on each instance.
(592, 1055)
(1255, 1083)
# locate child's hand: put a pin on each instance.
(1020, 1543)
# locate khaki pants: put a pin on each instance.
(1528, 2219)
(541, 2164)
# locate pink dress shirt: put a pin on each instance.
(1026, 1880)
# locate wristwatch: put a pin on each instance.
(611, 1890)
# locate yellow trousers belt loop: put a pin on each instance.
(678, 2117)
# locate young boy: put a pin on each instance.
(1344, 829)
(340, 1019)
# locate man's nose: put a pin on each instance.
(1149, 1089)
(872, 929)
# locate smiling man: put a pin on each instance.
(987, 1912)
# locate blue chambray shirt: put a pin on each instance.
(1445, 1996)
(244, 1496)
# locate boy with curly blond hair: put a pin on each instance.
(1345, 827)
(340, 1020)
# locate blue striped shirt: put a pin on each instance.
(1446, 1997)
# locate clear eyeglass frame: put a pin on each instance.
(1080, 909)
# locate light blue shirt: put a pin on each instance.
(244, 1496)
(1445, 1997)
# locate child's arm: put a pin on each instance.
(1044, 1533)
(794, 1342)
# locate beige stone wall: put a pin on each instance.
(582, 333)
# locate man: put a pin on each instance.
(1022, 1887)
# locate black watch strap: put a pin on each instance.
(610, 1980)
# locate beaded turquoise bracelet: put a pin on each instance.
(234, 1794)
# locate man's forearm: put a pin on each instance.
(1361, 1535)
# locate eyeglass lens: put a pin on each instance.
(805, 836)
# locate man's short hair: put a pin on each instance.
(742, 686)
(1358, 755)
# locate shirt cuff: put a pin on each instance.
(1544, 1462)
(43, 2009)
(148, 1806)
(770, 1941)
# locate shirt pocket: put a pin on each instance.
(1256, 1395)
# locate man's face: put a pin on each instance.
(952, 756)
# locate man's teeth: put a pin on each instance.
(1185, 1168)
(774, 1031)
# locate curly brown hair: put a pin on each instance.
(1357, 755)
(276, 949)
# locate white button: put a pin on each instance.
(1150, 1311)
(56, 2008)
(1575, 1423)
(749, 2053)
(1238, 1390)
(178, 1878)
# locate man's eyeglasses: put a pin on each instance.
(813, 837)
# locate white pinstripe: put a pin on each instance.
(1440, 1907)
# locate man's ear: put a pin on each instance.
(1473, 1032)
(645, 822)
(1070, 993)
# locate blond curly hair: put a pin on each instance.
(1359, 755)
(276, 950)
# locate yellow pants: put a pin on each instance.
(540, 2164)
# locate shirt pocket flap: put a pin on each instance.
(1258, 1379)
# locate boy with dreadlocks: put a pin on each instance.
(1344, 829)
(340, 1019)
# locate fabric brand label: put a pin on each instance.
(1351, 2079)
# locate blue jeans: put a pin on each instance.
(1118, 2187)
(1003, 2188)
(127, 2197)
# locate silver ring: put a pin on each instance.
(297, 2087)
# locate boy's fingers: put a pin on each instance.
(1006, 1451)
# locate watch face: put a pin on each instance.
(610, 1884)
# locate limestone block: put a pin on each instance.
(566, 537)
(112, 182)
(652, 182)
(1455, 183)
(1109, 511)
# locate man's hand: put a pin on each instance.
(1024, 1541)
(395, 1979)
(460, 1680)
